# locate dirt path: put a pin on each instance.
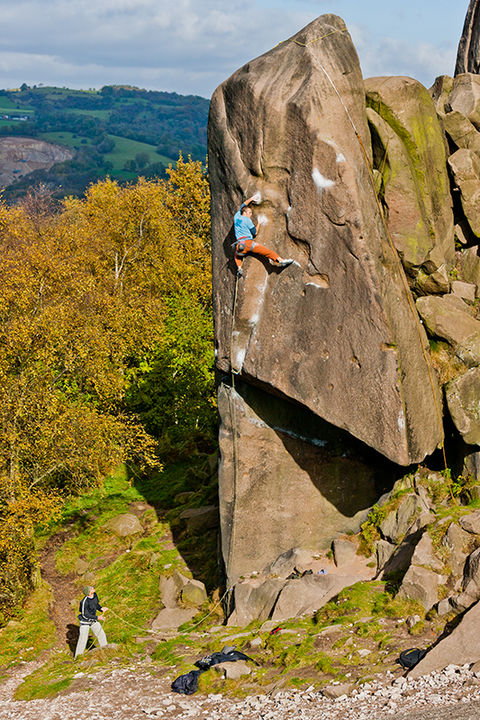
(63, 589)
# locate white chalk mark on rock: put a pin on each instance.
(320, 180)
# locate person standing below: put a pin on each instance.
(245, 232)
(89, 620)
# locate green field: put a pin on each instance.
(126, 149)
(5, 109)
(64, 138)
(7, 103)
(101, 114)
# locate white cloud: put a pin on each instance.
(201, 41)
(187, 45)
(391, 56)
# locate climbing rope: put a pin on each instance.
(233, 416)
(183, 632)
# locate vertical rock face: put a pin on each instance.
(468, 56)
(286, 480)
(337, 332)
(411, 158)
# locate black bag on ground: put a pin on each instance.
(409, 658)
(220, 657)
(187, 684)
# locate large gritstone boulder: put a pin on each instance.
(337, 331)
(286, 480)
(463, 397)
(465, 167)
(468, 56)
(410, 156)
(458, 648)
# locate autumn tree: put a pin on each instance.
(105, 343)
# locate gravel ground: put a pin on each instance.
(130, 694)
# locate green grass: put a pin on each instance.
(101, 114)
(24, 638)
(7, 104)
(126, 149)
(64, 138)
(5, 109)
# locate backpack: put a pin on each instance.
(409, 658)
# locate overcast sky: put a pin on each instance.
(190, 46)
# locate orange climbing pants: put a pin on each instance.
(248, 245)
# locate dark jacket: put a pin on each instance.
(88, 609)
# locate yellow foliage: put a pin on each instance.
(84, 296)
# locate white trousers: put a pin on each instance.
(97, 630)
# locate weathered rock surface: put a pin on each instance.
(464, 290)
(179, 589)
(309, 593)
(298, 558)
(448, 317)
(295, 331)
(471, 577)
(399, 521)
(172, 618)
(465, 166)
(463, 132)
(20, 156)
(463, 397)
(469, 263)
(254, 600)
(336, 691)
(410, 153)
(458, 648)
(201, 518)
(468, 55)
(471, 523)
(344, 551)
(457, 541)
(424, 554)
(421, 584)
(124, 525)
(465, 97)
(232, 670)
(281, 483)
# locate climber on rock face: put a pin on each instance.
(245, 232)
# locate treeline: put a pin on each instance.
(174, 123)
(105, 346)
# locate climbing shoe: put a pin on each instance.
(283, 262)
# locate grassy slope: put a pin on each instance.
(126, 149)
(126, 573)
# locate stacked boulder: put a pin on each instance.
(343, 359)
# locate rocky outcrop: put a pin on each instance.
(410, 157)
(264, 596)
(458, 648)
(463, 397)
(294, 332)
(124, 525)
(468, 55)
(280, 462)
(22, 155)
(181, 597)
(465, 166)
(450, 318)
(325, 370)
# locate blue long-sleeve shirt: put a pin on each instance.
(243, 225)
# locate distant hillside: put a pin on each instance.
(120, 131)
